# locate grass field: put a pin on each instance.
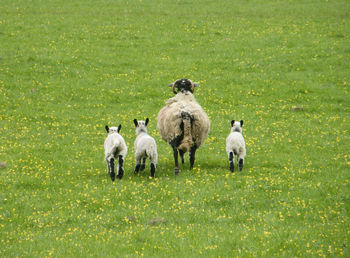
(68, 68)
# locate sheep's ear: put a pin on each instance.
(119, 127)
(107, 128)
(172, 86)
(241, 123)
(135, 122)
(147, 120)
(193, 85)
(232, 123)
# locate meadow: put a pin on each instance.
(68, 68)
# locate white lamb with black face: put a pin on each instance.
(115, 147)
(235, 145)
(145, 147)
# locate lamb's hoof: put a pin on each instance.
(177, 170)
(142, 167)
(232, 167)
(240, 164)
(120, 174)
(112, 176)
(153, 170)
(137, 168)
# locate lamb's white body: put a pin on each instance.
(145, 147)
(183, 123)
(114, 146)
(235, 145)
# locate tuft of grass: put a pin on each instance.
(68, 68)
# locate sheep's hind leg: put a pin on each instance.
(192, 156)
(153, 169)
(120, 167)
(143, 164)
(231, 159)
(111, 164)
(182, 156)
(176, 161)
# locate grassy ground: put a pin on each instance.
(68, 68)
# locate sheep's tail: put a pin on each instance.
(152, 153)
(187, 142)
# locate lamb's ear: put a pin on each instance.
(195, 84)
(119, 127)
(107, 128)
(135, 122)
(147, 120)
(232, 123)
(241, 123)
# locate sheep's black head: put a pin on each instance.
(183, 85)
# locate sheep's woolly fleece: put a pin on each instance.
(170, 118)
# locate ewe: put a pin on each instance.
(145, 147)
(235, 145)
(115, 146)
(183, 123)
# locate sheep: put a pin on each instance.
(145, 147)
(182, 123)
(235, 145)
(115, 146)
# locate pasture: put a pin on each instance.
(68, 68)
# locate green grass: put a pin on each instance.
(68, 68)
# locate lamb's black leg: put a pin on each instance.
(192, 156)
(111, 164)
(143, 165)
(137, 168)
(240, 164)
(153, 170)
(182, 156)
(120, 167)
(232, 166)
(176, 161)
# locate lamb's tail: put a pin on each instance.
(152, 153)
(187, 142)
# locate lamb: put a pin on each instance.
(235, 145)
(182, 123)
(115, 146)
(145, 147)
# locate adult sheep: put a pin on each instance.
(182, 123)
